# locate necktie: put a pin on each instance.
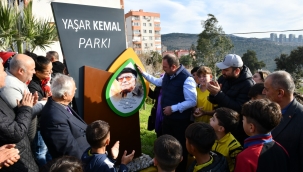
(67, 108)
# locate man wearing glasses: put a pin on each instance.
(127, 81)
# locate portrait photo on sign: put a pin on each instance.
(126, 90)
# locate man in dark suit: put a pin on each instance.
(279, 87)
(61, 127)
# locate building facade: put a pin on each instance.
(292, 38)
(273, 37)
(282, 38)
(143, 31)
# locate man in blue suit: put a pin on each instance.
(279, 87)
(62, 128)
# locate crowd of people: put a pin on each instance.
(240, 122)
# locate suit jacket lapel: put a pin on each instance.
(287, 117)
(75, 114)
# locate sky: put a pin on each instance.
(234, 16)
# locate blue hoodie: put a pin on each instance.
(100, 163)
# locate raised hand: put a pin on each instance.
(127, 158)
(213, 87)
(140, 70)
(115, 150)
(28, 100)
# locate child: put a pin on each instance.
(96, 159)
(200, 137)
(261, 152)
(224, 121)
(256, 91)
(204, 110)
(168, 153)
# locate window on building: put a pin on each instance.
(151, 44)
(157, 25)
(145, 44)
(136, 31)
(144, 31)
(150, 38)
(144, 24)
(136, 24)
(150, 24)
(150, 31)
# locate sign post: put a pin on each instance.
(92, 41)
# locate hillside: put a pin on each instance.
(266, 50)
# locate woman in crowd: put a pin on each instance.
(260, 76)
(43, 69)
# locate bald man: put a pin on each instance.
(22, 68)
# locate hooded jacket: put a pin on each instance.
(234, 92)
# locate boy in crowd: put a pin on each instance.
(224, 121)
(95, 158)
(200, 138)
(193, 72)
(204, 110)
(256, 91)
(168, 153)
(261, 152)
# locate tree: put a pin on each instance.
(186, 61)
(251, 61)
(152, 62)
(19, 28)
(292, 64)
(213, 44)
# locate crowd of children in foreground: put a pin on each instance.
(213, 146)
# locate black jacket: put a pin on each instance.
(289, 133)
(234, 93)
(219, 164)
(35, 85)
(13, 129)
(62, 132)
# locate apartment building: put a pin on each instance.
(143, 31)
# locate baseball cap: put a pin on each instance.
(6, 55)
(230, 60)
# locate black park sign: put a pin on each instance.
(89, 36)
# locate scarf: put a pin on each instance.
(46, 87)
(257, 139)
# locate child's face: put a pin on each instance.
(246, 126)
(188, 146)
(214, 122)
(205, 78)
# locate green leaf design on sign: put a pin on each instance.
(126, 90)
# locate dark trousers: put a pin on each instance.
(176, 128)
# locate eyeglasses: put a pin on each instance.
(128, 78)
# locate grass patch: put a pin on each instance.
(147, 137)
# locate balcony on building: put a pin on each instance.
(158, 39)
(136, 39)
(157, 32)
(135, 18)
(157, 19)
